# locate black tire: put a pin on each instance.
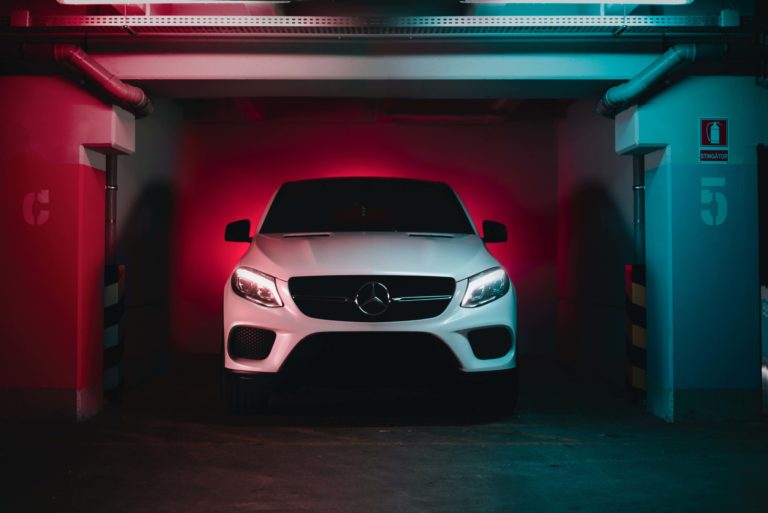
(492, 393)
(247, 394)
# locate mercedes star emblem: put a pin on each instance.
(372, 298)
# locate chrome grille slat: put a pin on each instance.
(336, 297)
(410, 299)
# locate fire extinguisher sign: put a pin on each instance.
(713, 140)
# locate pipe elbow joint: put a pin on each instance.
(65, 52)
(622, 96)
(128, 96)
(684, 52)
(605, 108)
(143, 108)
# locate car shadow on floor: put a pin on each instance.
(190, 392)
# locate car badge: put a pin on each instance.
(373, 298)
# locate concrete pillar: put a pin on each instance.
(702, 244)
(52, 143)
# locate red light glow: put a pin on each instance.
(503, 172)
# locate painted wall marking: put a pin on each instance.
(713, 140)
(36, 216)
(714, 204)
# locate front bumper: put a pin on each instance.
(292, 326)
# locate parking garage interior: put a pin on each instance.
(134, 132)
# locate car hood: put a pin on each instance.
(458, 256)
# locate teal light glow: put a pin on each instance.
(607, 2)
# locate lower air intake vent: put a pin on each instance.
(370, 358)
(489, 343)
(250, 343)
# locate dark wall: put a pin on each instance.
(594, 243)
(146, 195)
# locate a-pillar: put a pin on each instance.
(53, 140)
(702, 244)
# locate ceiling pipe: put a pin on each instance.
(677, 57)
(130, 97)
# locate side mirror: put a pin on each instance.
(238, 231)
(494, 231)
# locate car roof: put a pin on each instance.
(365, 179)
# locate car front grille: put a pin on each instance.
(351, 298)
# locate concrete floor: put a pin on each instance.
(575, 445)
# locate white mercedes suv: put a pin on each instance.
(360, 273)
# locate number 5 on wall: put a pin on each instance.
(714, 204)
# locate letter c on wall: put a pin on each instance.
(32, 199)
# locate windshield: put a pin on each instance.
(366, 204)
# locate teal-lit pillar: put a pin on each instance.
(703, 294)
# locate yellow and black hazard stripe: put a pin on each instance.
(114, 338)
(636, 330)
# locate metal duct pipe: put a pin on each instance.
(130, 97)
(114, 299)
(627, 94)
(110, 211)
(638, 193)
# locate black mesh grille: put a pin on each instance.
(250, 343)
(489, 343)
(389, 358)
(333, 297)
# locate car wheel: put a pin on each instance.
(492, 392)
(247, 394)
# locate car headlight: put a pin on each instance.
(256, 286)
(485, 287)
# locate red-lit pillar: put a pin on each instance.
(53, 140)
